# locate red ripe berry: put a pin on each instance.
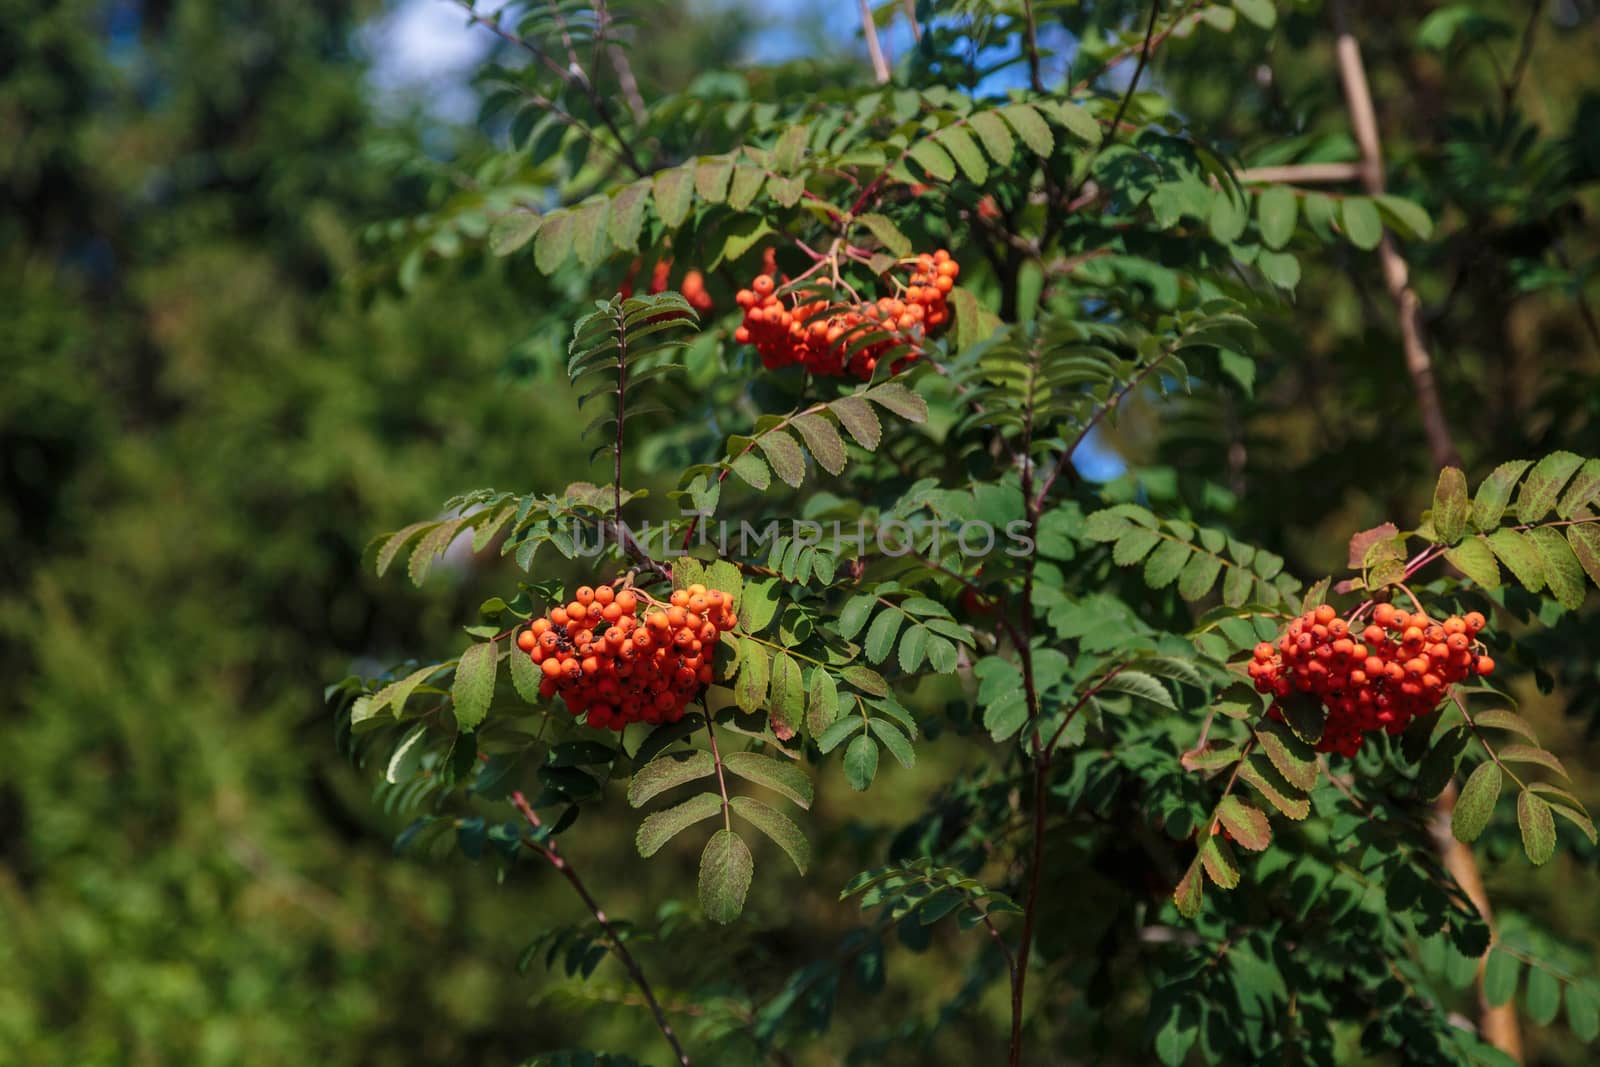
(1381, 683)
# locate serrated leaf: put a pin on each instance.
(1501, 719)
(662, 826)
(673, 192)
(407, 755)
(1236, 587)
(866, 679)
(857, 416)
(397, 540)
(1534, 755)
(995, 135)
(1494, 492)
(589, 230)
(1293, 758)
(759, 604)
(1538, 828)
(1475, 559)
(1543, 485)
(777, 826)
(1362, 224)
(1165, 563)
(1450, 506)
(1221, 866)
(746, 186)
(1134, 545)
(1475, 804)
(726, 868)
(881, 634)
(525, 675)
(1562, 571)
(1582, 492)
(1076, 119)
(668, 772)
(1198, 576)
(900, 400)
(433, 543)
(1033, 130)
(1247, 824)
(823, 706)
(1276, 211)
(783, 453)
(964, 150)
(473, 688)
(788, 693)
(1259, 772)
(753, 470)
(781, 776)
(512, 231)
(554, 242)
(934, 159)
(627, 215)
(1520, 557)
(1584, 540)
(750, 690)
(711, 178)
(790, 149)
(823, 440)
(1141, 685)
(895, 740)
(1190, 893)
(861, 762)
(887, 233)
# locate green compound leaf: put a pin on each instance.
(667, 772)
(861, 762)
(1450, 506)
(1489, 505)
(726, 868)
(474, 684)
(1538, 827)
(1476, 803)
(776, 825)
(662, 826)
(781, 776)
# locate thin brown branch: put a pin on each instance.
(911, 17)
(869, 30)
(1508, 91)
(1364, 125)
(552, 854)
(1031, 42)
(1302, 174)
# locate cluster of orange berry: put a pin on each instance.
(693, 286)
(616, 667)
(824, 338)
(1376, 677)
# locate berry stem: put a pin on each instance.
(722, 784)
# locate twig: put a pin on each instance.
(1302, 173)
(722, 784)
(1364, 125)
(911, 17)
(869, 29)
(552, 854)
(1133, 82)
(1031, 42)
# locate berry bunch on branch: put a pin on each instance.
(1375, 677)
(613, 665)
(793, 325)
